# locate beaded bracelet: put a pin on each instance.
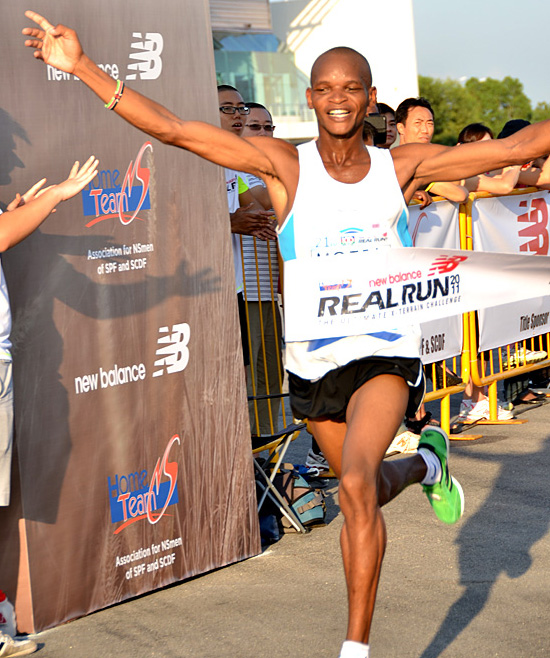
(117, 95)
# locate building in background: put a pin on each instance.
(266, 50)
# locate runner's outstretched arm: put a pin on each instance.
(60, 47)
(423, 163)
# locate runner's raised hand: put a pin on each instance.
(58, 46)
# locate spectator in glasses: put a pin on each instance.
(246, 215)
(262, 286)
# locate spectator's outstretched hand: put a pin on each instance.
(78, 178)
(58, 46)
(32, 193)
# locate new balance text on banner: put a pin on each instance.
(437, 226)
(134, 467)
(514, 224)
(394, 288)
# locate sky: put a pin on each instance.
(485, 38)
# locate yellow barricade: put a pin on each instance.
(512, 360)
(489, 368)
(265, 377)
(459, 365)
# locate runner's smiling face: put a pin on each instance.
(339, 93)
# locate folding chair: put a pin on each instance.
(276, 444)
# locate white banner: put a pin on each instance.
(437, 226)
(508, 323)
(441, 339)
(513, 224)
(365, 292)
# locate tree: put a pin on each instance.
(451, 104)
(488, 101)
(541, 112)
(499, 101)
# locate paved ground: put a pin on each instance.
(480, 588)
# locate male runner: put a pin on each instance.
(358, 389)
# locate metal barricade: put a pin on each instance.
(459, 364)
(266, 396)
(507, 361)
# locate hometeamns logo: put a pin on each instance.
(536, 231)
(136, 497)
(108, 197)
(146, 64)
(173, 349)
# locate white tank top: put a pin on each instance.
(330, 218)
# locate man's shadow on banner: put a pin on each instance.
(9, 160)
(44, 457)
(498, 538)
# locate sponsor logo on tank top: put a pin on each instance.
(350, 241)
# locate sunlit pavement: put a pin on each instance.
(479, 588)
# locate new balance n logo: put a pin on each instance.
(445, 264)
(148, 64)
(173, 350)
(535, 222)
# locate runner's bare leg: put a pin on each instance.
(355, 450)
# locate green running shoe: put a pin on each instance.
(446, 496)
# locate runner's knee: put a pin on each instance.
(358, 494)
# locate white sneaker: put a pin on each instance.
(405, 443)
(471, 413)
(465, 407)
(522, 357)
(11, 647)
(316, 463)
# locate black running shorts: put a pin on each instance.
(329, 396)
